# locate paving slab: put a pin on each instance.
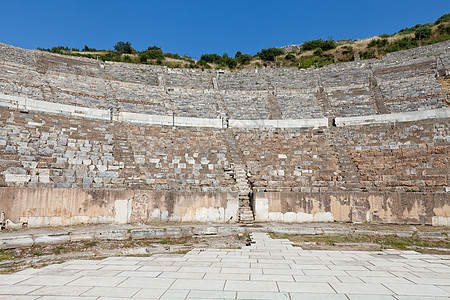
(268, 269)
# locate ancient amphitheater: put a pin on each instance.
(83, 141)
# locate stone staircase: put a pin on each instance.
(349, 177)
(244, 193)
(238, 171)
(377, 94)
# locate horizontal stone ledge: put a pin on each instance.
(441, 113)
(15, 102)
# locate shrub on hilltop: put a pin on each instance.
(123, 47)
(423, 31)
(325, 45)
(270, 53)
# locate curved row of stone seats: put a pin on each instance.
(421, 93)
(350, 103)
(289, 105)
(303, 81)
(425, 51)
(194, 103)
(189, 78)
(347, 89)
(11, 54)
(444, 63)
(409, 85)
(126, 72)
(250, 105)
(244, 80)
(45, 150)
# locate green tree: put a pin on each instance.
(422, 31)
(154, 52)
(212, 58)
(270, 53)
(244, 59)
(123, 47)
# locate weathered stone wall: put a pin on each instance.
(52, 166)
(400, 208)
(55, 207)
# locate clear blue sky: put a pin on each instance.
(195, 27)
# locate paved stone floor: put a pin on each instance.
(268, 269)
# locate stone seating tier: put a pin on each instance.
(397, 83)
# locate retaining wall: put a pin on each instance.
(357, 207)
(56, 207)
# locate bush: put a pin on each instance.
(289, 56)
(143, 57)
(378, 43)
(123, 47)
(87, 49)
(270, 53)
(154, 52)
(320, 43)
(403, 44)
(422, 31)
(443, 18)
(228, 61)
(366, 55)
(384, 35)
(244, 59)
(212, 58)
(318, 51)
(309, 61)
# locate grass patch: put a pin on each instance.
(90, 244)
(389, 241)
(57, 250)
(5, 255)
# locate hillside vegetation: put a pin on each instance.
(316, 53)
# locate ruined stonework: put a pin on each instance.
(128, 172)
(400, 82)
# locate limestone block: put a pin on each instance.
(147, 233)
(261, 209)
(15, 170)
(201, 214)
(304, 217)
(216, 214)
(164, 215)
(205, 231)
(175, 217)
(440, 221)
(16, 241)
(52, 238)
(29, 164)
(323, 217)
(112, 235)
(122, 209)
(17, 178)
(290, 217)
(155, 215)
(82, 236)
(275, 216)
